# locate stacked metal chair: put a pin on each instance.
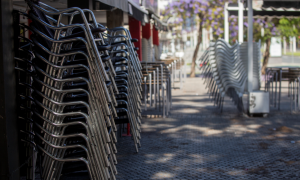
(158, 83)
(129, 80)
(256, 62)
(212, 82)
(78, 84)
(226, 72)
(29, 153)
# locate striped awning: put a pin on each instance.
(158, 24)
(138, 12)
(272, 9)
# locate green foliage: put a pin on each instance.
(289, 27)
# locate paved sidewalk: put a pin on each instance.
(196, 142)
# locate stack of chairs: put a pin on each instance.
(129, 80)
(159, 86)
(29, 153)
(256, 62)
(178, 70)
(225, 71)
(78, 84)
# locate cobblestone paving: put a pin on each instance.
(195, 142)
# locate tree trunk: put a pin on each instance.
(199, 40)
(266, 56)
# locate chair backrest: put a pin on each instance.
(42, 16)
(294, 73)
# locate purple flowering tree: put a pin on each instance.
(233, 28)
(210, 14)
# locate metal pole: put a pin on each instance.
(167, 107)
(162, 74)
(172, 71)
(180, 73)
(163, 97)
(157, 87)
(226, 23)
(154, 88)
(250, 46)
(145, 93)
(295, 90)
(184, 71)
(162, 82)
(9, 158)
(170, 96)
(150, 89)
(291, 97)
(266, 79)
(175, 69)
(272, 88)
(276, 79)
(279, 98)
(241, 21)
(170, 89)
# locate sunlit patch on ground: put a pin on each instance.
(197, 143)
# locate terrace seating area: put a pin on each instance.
(85, 100)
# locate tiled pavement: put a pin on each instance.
(196, 142)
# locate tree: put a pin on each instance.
(269, 28)
(209, 14)
(289, 28)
